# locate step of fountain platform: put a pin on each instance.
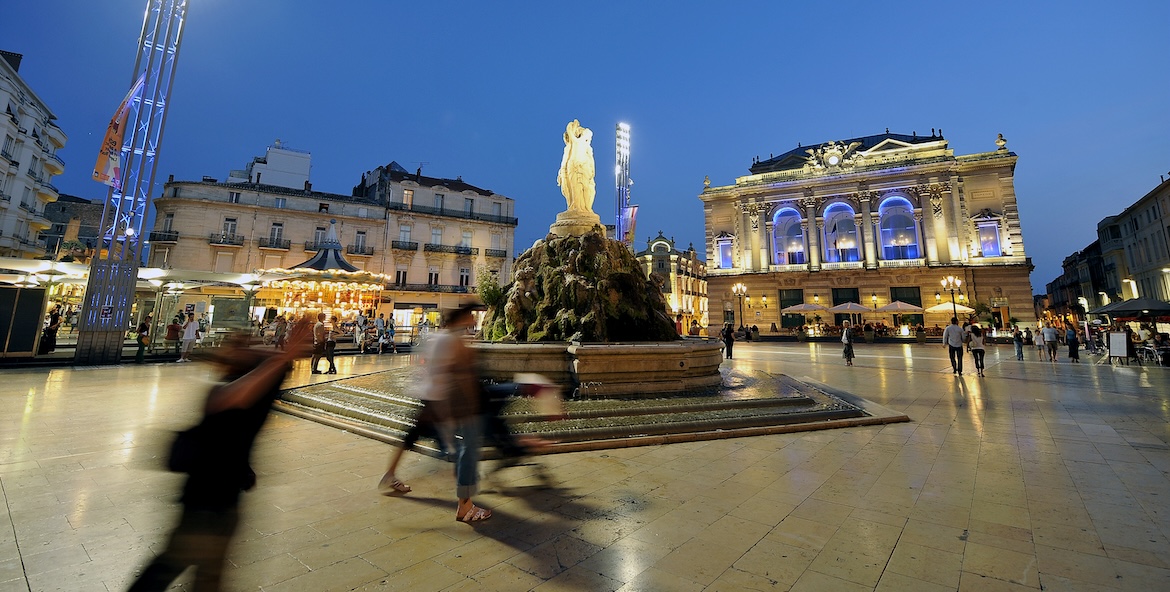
(376, 408)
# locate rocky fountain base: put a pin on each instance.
(582, 312)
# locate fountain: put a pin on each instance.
(581, 310)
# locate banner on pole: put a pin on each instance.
(629, 219)
(108, 169)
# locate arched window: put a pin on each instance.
(841, 242)
(899, 231)
(787, 238)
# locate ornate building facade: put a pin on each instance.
(28, 162)
(869, 220)
(430, 236)
(684, 277)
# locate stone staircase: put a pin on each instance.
(379, 406)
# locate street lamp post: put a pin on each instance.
(873, 299)
(952, 284)
(740, 291)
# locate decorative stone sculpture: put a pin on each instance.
(577, 185)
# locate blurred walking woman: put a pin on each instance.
(459, 363)
(215, 456)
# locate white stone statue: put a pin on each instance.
(577, 169)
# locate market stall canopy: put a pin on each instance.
(850, 307)
(899, 306)
(802, 308)
(49, 270)
(948, 308)
(1107, 309)
(1141, 307)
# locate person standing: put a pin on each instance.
(175, 334)
(280, 332)
(204, 328)
(1018, 340)
(975, 344)
(1041, 349)
(391, 330)
(1073, 342)
(728, 335)
(143, 339)
(1050, 336)
(331, 343)
(847, 339)
(191, 334)
(218, 468)
(380, 327)
(49, 334)
(953, 338)
(318, 342)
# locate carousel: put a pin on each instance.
(326, 283)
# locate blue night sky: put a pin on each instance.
(483, 90)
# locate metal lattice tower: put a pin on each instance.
(622, 179)
(114, 270)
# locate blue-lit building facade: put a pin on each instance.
(868, 220)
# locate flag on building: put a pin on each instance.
(108, 169)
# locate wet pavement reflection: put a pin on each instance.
(1039, 474)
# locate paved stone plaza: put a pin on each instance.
(1039, 476)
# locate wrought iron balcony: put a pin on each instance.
(313, 245)
(8, 156)
(226, 239)
(359, 250)
(446, 289)
(458, 250)
(24, 206)
(274, 243)
(495, 252)
(46, 188)
(404, 245)
(164, 236)
(53, 159)
(453, 213)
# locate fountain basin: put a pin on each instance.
(599, 370)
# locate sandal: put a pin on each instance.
(474, 514)
(393, 486)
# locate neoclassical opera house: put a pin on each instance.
(868, 220)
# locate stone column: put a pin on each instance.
(811, 228)
(769, 244)
(945, 237)
(927, 247)
(869, 236)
